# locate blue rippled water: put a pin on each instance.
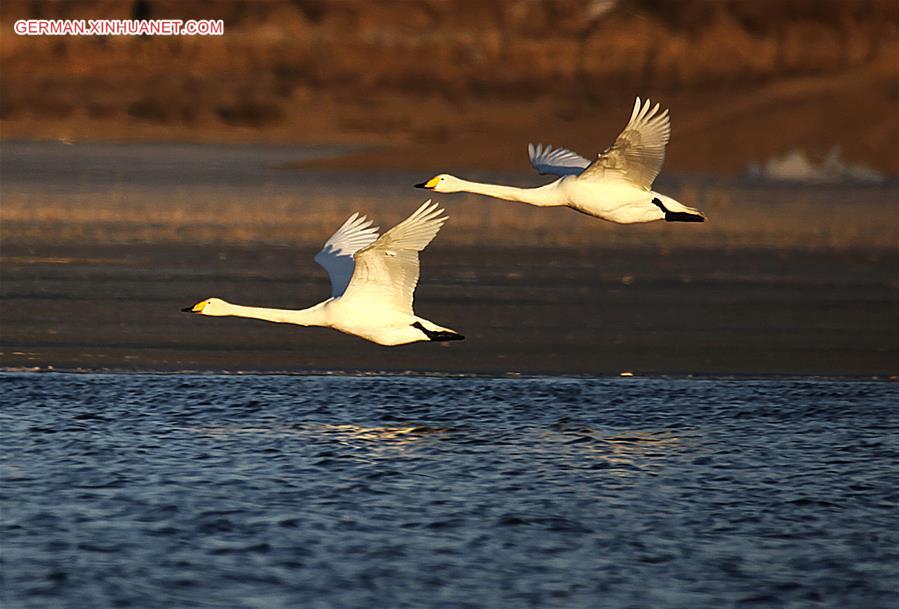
(167, 491)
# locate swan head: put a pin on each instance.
(442, 182)
(210, 306)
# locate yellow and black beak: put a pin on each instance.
(197, 308)
(430, 184)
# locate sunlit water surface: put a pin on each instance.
(381, 492)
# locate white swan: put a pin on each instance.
(372, 283)
(617, 186)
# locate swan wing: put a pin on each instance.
(556, 161)
(387, 270)
(337, 254)
(638, 152)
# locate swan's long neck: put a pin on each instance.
(313, 316)
(542, 196)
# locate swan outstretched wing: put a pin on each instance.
(638, 153)
(337, 254)
(556, 161)
(387, 270)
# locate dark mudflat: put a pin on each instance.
(588, 311)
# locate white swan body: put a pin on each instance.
(372, 284)
(617, 186)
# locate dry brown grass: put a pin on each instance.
(453, 73)
(739, 217)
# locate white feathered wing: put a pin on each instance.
(336, 256)
(638, 152)
(387, 271)
(556, 161)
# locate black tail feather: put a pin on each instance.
(438, 335)
(677, 216)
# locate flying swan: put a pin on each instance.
(372, 283)
(617, 186)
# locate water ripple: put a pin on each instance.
(340, 491)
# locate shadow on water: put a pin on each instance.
(634, 450)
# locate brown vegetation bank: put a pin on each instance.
(447, 84)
